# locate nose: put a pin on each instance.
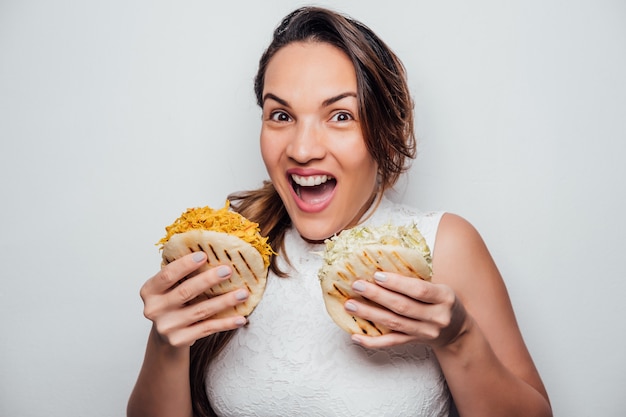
(307, 143)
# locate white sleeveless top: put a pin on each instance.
(293, 360)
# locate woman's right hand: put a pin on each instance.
(178, 317)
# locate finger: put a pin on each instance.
(187, 336)
(198, 284)
(208, 308)
(415, 288)
(429, 323)
(410, 329)
(182, 325)
(185, 292)
(209, 327)
(399, 303)
(382, 316)
(172, 273)
(386, 340)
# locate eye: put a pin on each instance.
(342, 116)
(279, 116)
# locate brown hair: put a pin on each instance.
(386, 115)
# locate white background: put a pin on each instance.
(115, 116)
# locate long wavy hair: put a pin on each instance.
(386, 114)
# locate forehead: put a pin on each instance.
(310, 67)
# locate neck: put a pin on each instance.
(364, 213)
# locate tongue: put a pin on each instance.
(317, 193)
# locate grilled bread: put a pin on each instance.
(356, 254)
(228, 239)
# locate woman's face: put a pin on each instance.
(311, 139)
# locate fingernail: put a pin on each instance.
(240, 321)
(358, 286)
(223, 271)
(350, 306)
(380, 277)
(357, 339)
(241, 295)
(198, 257)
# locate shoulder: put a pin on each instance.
(462, 260)
(455, 233)
(457, 237)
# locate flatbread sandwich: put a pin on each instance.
(227, 238)
(358, 253)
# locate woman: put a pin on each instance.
(337, 131)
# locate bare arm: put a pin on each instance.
(163, 388)
(488, 367)
(465, 314)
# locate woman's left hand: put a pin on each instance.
(416, 311)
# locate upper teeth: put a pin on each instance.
(310, 181)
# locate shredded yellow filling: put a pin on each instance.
(224, 221)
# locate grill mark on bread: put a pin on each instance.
(367, 260)
(342, 276)
(389, 259)
(397, 260)
(364, 328)
(232, 263)
(361, 326)
(339, 290)
(192, 250)
(213, 251)
(371, 323)
(248, 266)
(404, 263)
(350, 269)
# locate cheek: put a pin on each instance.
(363, 165)
(268, 152)
(368, 179)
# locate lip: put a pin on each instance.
(303, 205)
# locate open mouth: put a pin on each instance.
(313, 189)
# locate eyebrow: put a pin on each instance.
(325, 103)
(336, 98)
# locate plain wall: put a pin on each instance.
(116, 116)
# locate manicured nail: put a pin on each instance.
(350, 306)
(241, 295)
(380, 277)
(223, 271)
(357, 339)
(198, 257)
(358, 286)
(240, 321)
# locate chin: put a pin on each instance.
(315, 231)
(317, 227)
